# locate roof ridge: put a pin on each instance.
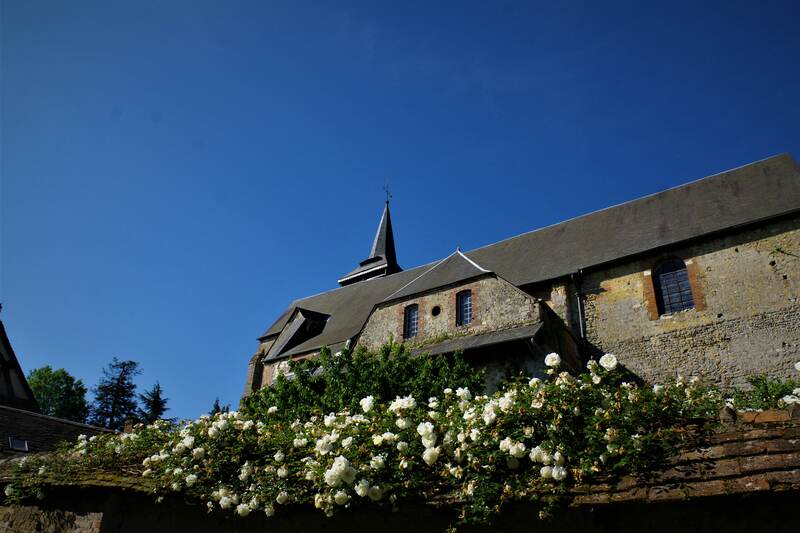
(438, 263)
(634, 200)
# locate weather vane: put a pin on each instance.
(386, 190)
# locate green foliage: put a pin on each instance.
(352, 430)
(59, 394)
(154, 405)
(767, 393)
(334, 382)
(115, 395)
(218, 408)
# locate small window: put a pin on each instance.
(672, 287)
(463, 308)
(18, 444)
(410, 322)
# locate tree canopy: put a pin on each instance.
(59, 394)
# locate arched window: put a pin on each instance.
(410, 321)
(463, 308)
(672, 288)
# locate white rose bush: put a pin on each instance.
(532, 439)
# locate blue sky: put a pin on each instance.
(174, 174)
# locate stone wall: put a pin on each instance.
(744, 478)
(746, 318)
(496, 305)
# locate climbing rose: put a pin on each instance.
(430, 455)
(552, 359)
(367, 403)
(609, 362)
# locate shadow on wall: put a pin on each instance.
(101, 511)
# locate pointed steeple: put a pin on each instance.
(382, 260)
(383, 245)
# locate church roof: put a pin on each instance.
(454, 268)
(762, 190)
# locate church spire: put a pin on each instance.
(382, 260)
(383, 245)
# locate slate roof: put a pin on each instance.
(481, 341)
(454, 268)
(745, 195)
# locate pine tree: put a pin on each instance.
(115, 395)
(217, 408)
(154, 405)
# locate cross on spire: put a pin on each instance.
(386, 190)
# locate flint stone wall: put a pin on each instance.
(746, 318)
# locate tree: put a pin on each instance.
(217, 408)
(59, 394)
(154, 405)
(115, 395)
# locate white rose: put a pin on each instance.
(283, 471)
(430, 455)
(282, 498)
(377, 462)
(243, 509)
(362, 487)
(279, 456)
(403, 423)
(272, 410)
(375, 493)
(367, 403)
(402, 446)
(546, 472)
(559, 473)
(609, 361)
(464, 393)
(341, 497)
(552, 360)
(517, 450)
(191, 479)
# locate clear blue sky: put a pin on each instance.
(175, 173)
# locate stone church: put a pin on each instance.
(701, 279)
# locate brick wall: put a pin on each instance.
(496, 305)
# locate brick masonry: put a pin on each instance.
(496, 305)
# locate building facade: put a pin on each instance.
(702, 279)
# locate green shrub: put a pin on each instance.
(335, 382)
(767, 393)
(357, 430)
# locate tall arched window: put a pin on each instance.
(411, 321)
(672, 287)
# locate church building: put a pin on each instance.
(701, 279)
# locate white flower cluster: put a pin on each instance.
(340, 457)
